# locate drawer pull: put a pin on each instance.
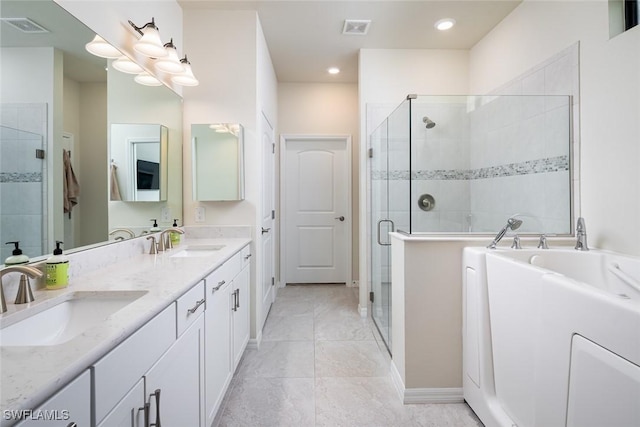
(157, 396)
(247, 256)
(146, 408)
(218, 287)
(72, 424)
(195, 307)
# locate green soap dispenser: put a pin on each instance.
(175, 237)
(17, 256)
(154, 228)
(57, 268)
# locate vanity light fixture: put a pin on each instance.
(186, 78)
(333, 70)
(171, 63)
(126, 65)
(147, 79)
(444, 24)
(100, 47)
(149, 44)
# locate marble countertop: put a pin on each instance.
(30, 374)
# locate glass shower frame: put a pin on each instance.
(486, 159)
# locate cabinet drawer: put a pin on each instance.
(190, 306)
(117, 372)
(245, 256)
(225, 273)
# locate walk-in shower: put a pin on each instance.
(488, 158)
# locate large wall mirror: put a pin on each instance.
(56, 97)
(218, 161)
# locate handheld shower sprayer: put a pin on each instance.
(428, 122)
(512, 224)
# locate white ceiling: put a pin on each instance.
(305, 37)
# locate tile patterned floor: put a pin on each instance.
(321, 364)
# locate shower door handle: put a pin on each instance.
(393, 228)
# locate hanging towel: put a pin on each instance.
(70, 186)
(114, 191)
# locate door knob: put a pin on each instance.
(341, 218)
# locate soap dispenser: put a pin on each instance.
(17, 256)
(175, 237)
(57, 268)
(154, 227)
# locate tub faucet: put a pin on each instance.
(24, 292)
(542, 244)
(581, 236)
(516, 242)
(512, 224)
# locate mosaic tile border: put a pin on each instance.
(15, 177)
(529, 167)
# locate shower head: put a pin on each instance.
(430, 123)
(512, 224)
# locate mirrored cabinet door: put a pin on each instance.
(218, 161)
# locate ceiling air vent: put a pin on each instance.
(356, 27)
(25, 25)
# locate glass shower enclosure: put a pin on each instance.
(462, 165)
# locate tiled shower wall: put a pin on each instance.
(491, 157)
(23, 129)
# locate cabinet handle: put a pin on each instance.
(157, 396)
(247, 256)
(72, 424)
(218, 287)
(195, 307)
(237, 299)
(146, 408)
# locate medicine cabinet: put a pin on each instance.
(218, 161)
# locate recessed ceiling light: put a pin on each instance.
(444, 24)
(333, 70)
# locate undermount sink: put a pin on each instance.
(65, 320)
(197, 251)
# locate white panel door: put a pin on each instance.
(267, 215)
(316, 198)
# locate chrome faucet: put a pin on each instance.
(165, 238)
(123, 230)
(516, 242)
(24, 291)
(542, 243)
(512, 224)
(581, 236)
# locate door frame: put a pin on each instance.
(284, 138)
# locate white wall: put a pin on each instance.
(226, 67)
(325, 109)
(609, 103)
(237, 85)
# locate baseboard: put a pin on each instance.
(362, 310)
(254, 343)
(411, 396)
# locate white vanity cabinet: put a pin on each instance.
(69, 407)
(226, 326)
(240, 321)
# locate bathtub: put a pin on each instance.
(551, 337)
